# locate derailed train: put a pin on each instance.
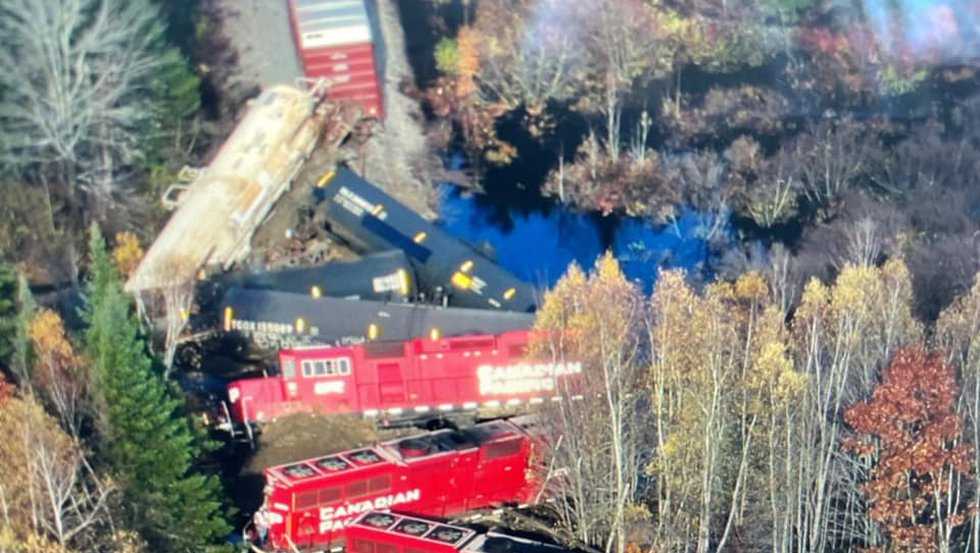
(413, 280)
(372, 221)
(268, 320)
(444, 473)
(385, 276)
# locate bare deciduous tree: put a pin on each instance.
(530, 53)
(170, 306)
(958, 334)
(48, 490)
(73, 73)
(832, 156)
(622, 46)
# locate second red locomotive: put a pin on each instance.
(419, 378)
(438, 474)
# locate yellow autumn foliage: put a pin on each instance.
(47, 332)
(128, 253)
(585, 314)
(751, 287)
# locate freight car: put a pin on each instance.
(227, 201)
(437, 474)
(267, 320)
(335, 42)
(386, 532)
(422, 378)
(372, 221)
(385, 276)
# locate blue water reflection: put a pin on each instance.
(538, 247)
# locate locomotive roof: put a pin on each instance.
(394, 451)
(458, 537)
(396, 348)
(421, 529)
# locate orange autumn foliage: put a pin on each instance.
(59, 373)
(468, 64)
(912, 433)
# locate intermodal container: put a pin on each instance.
(335, 42)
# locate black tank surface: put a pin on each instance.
(505, 542)
(372, 221)
(386, 276)
(269, 319)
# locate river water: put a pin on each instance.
(539, 245)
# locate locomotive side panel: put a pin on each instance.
(419, 378)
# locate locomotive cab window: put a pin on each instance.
(329, 495)
(379, 483)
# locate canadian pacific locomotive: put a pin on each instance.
(438, 474)
(418, 378)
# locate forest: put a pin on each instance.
(816, 389)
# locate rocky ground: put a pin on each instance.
(259, 33)
(397, 157)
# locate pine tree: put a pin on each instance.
(21, 356)
(145, 437)
(8, 312)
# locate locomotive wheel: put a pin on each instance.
(440, 423)
(189, 356)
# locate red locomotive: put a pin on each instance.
(438, 474)
(418, 378)
(382, 532)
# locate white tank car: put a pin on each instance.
(219, 211)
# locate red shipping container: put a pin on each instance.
(335, 42)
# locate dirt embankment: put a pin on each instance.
(398, 157)
(306, 435)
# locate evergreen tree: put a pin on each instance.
(8, 312)
(175, 89)
(145, 437)
(20, 356)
